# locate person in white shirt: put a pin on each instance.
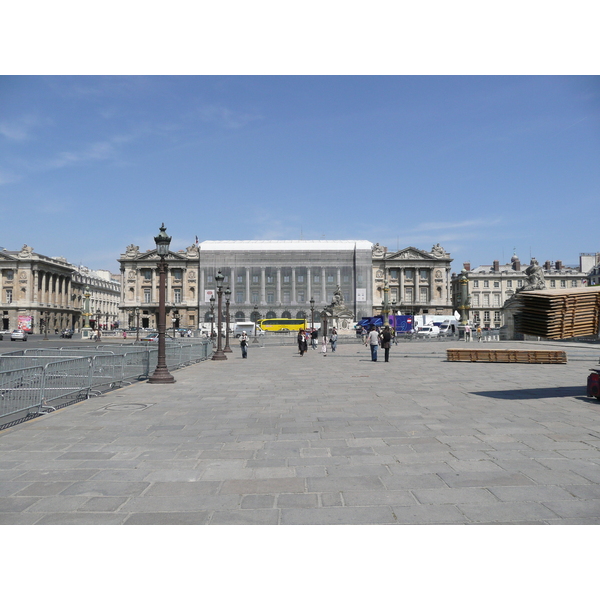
(373, 341)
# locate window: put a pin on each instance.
(177, 295)
(509, 283)
(270, 298)
(408, 294)
(486, 283)
(286, 297)
(496, 284)
(476, 283)
(286, 279)
(9, 296)
(239, 297)
(317, 297)
(346, 279)
(329, 278)
(394, 294)
(254, 278)
(476, 316)
(147, 295)
(423, 294)
(574, 283)
(496, 315)
(316, 279)
(475, 299)
(496, 299)
(300, 278)
(10, 275)
(393, 273)
(408, 274)
(240, 279)
(423, 273)
(553, 283)
(254, 297)
(269, 278)
(147, 274)
(519, 282)
(177, 273)
(191, 319)
(563, 283)
(486, 315)
(209, 279)
(359, 279)
(300, 296)
(486, 299)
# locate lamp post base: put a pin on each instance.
(218, 355)
(161, 375)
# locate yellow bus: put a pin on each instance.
(282, 324)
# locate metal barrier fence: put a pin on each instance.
(35, 380)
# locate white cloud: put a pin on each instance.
(225, 117)
(94, 151)
(18, 130)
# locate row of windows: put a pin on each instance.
(509, 283)
(285, 279)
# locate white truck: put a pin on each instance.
(248, 327)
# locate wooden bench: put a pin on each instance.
(507, 356)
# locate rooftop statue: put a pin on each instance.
(535, 277)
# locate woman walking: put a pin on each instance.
(302, 345)
(333, 339)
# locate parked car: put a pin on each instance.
(66, 333)
(18, 334)
(153, 337)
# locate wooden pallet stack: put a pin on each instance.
(540, 357)
(559, 314)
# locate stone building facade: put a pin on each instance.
(36, 288)
(139, 290)
(491, 286)
(278, 278)
(418, 280)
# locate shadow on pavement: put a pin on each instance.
(533, 393)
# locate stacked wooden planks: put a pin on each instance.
(507, 356)
(559, 314)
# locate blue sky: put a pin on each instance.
(481, 165)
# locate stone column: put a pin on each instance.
(278, 299)
(201, 275)
(293, 298)
(36, 279)
(323, 287)
(262, 286)
(247, 285)
(153, 290)
(308, 284)
(339, 277)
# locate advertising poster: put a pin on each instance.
(25, 322)
(361, 294)
(208, 294)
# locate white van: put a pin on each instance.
(247, 326)
(428, 331)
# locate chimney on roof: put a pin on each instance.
(467, 266)
(497, 266)
(559, 265)
(516, 265)
(547, 265)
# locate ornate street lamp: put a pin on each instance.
(386, 306)
(312, 313)
(256, 318)
(161, 374)
(464, 299)
(324, 323)
(137, 324)
(227, 296)
(212, 318)
(219, 355)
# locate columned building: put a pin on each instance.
(139, 289)
(278, 278)
(36, 288)
(418, 281)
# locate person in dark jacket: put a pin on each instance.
(386, 342)
(302, 344)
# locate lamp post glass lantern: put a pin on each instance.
(219, 354)
(227, 296)
(161, 374)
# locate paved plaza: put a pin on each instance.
(283, 439)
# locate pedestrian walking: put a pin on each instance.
(324, 346)
(333, 339)
(244, 344)
(302, 344)
(478, 333)
(124, 335)
(314, 337)
(467, 333)
(386, 342)
(373, 341)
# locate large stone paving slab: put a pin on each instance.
(279, 439)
